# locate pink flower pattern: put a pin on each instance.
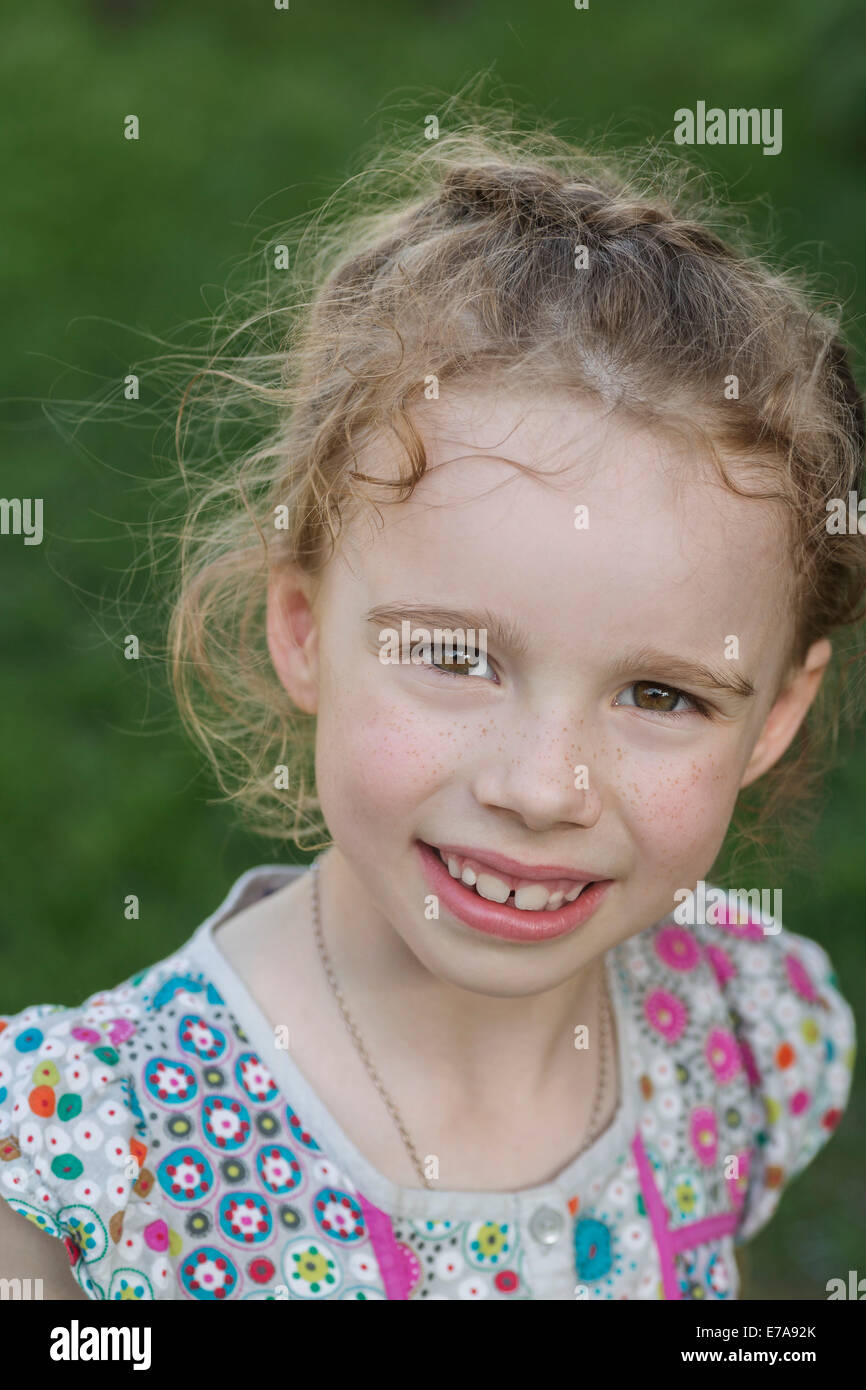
(723, 1054)
(667, 1014)
(677, 948)
(704, 1135)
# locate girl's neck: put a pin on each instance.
(523, 1045)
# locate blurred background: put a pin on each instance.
(242, 108)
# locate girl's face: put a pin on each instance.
(601, 640)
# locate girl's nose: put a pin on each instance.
(543, 779)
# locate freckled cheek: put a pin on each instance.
(678, 812)
(377, 757)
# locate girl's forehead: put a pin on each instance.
(632, 530)
(559, 478)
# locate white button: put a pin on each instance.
(546, 1225)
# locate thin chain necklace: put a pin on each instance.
(604, 1010)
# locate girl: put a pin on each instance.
(528, 581)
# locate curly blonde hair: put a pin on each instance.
(456, 258)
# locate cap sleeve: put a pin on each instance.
(73, 1143)
(797, 1040)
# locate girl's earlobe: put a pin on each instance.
(788, 712)
(293, 637)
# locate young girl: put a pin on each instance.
(483, 1048)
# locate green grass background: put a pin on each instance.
(244, 107)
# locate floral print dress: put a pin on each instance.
(161, 1131)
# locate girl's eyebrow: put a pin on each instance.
(727, 679)
(504, 634)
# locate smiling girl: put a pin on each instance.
(470, 1053)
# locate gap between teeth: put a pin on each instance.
(528, 898)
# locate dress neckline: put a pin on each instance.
(422, 1204)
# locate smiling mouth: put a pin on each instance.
(525, 894)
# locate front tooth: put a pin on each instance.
(491, 887)
(556, 900)
(574, 892)
(468, 876)
(531, 897)
(454, 867)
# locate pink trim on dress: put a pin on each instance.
(711, 1228)
(392, 1264)
(670, 1242)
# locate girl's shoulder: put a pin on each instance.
(148, 1130)
(91, 1103)
(757, 1010)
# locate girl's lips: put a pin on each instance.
(509, 868)
(498, 919)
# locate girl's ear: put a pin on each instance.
(788, 712)
(293, 636)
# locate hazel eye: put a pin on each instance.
(458, 664)
(662, 699)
